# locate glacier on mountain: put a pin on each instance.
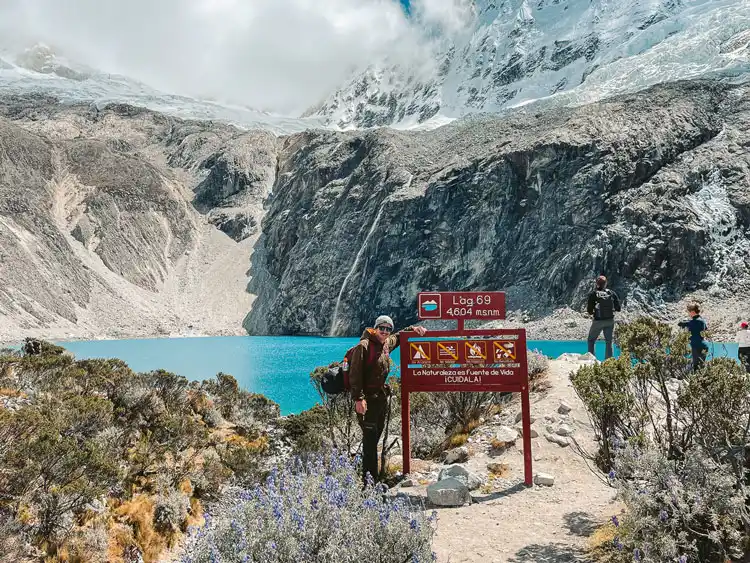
(40, 70)
(518, 52)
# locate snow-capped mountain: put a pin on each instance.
(40, 69)
(565, 52)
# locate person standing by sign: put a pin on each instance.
(368, 374)
(697, 326)
(602, 305)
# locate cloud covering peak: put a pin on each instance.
(276, 55)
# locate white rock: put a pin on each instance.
(506, 434)
(564, 430)
(448, 492)
(564, 408)
(571, 323)
(559, 440)
(544, 479)
(471, 480)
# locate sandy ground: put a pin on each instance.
(513, 523)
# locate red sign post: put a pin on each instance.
(465, 360)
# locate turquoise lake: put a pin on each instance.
(278, 367)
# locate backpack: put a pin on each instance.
(336, 380)
(605, 304)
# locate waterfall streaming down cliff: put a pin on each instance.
(361, 252)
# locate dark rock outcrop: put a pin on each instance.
(651, 188)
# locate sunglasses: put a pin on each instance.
(383, 328)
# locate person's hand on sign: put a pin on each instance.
(420, 330)
(360, 406)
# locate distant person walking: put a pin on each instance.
(697, 326)
(368, 375)
(743, 346)
(602, 305)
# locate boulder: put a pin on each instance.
(564, 408)
(544, 479)
(460, 473)
(506, 434)
(559, 440)
(407, 483)
(565, 430)
(456, 455)
(448, 492)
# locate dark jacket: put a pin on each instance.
(696, 326)
(371, 364)
(602, 304)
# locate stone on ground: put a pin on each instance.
(456, 455)
(544, 479)
(460, 473)
(448, 492)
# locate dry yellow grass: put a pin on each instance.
(139, 514)
(458, 440)
(8, 392)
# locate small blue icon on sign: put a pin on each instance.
(430, 305)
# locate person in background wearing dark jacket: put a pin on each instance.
(696, 325)
(602, 305)
(368, 375)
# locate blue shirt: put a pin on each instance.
(696, 326)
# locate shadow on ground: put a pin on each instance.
(580, 523)
(549, 553)
(422, 501)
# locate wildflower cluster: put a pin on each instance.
(313, 510)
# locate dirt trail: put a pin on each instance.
(540, 524)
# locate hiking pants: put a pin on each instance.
(372, 424)
(699, 356)
(597, 327)
(744, 356)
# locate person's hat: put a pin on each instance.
(383, 320)
(743, 324)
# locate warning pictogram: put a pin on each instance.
(447, 351)
(420, 352)
(504, 351)
(476, 352)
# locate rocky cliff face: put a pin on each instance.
(650, 188)
(105, 218)
(111, 220)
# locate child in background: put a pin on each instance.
(696, 325)
(743, 343)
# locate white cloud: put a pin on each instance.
(447, 16)
(279, 55)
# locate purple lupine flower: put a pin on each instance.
(615, 521)
(663, 516)
(683, 559)
(637, 554)
(413, 524)
(611, 474)
(617, 543)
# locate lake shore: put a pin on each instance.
(561, 324)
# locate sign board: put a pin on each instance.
(461, 305)
(464, 360)
(472, 360)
